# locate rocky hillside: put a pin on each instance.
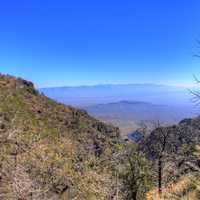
(51, 151)
(186, 132)
(175, 153)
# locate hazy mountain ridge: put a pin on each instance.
(129, 115)
(138, 111)
(116, 103)
(98, 94)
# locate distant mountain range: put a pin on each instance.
(127, 105)
(98, 94)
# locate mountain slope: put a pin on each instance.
(51, 151)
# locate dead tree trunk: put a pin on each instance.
(160, 176)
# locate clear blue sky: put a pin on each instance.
(62, 42)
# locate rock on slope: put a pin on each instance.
(51, 151)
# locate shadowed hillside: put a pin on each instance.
(175, 153)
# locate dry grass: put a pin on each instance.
(49, 149)
(187, 188)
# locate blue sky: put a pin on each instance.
(55, 43)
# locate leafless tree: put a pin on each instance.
(158, 145)
(195, 93)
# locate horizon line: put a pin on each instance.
(121, 84)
